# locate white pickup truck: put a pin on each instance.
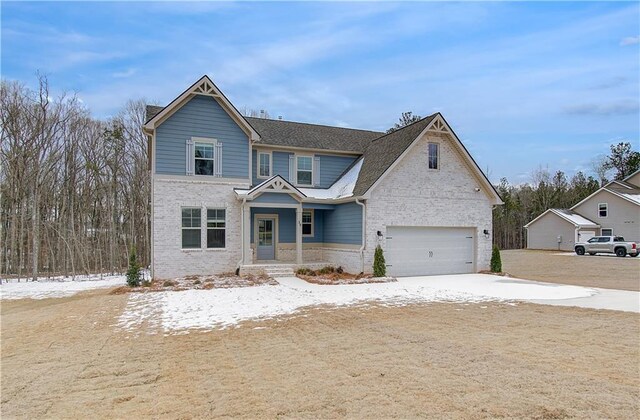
(607, 245)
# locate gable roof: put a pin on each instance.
(632, 175)
(569, 216)
(312, 136)
(383, 151)
(627, 192)
(203, 86)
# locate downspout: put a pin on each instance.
(244, 201)
(364, 230)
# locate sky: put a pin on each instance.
(523, 85)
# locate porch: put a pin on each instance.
(281, 227)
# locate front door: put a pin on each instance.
(266, 249)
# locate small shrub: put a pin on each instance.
(379, 265)
(326, 270)
(496, 262)
(146, 283)
(304, 271)
(168, 283)
(197, 282)
(339, 270)
(133, 273)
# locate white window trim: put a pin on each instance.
(182, 228)
(602, 234)
(312, 157)
(270, 165)
(206, 226)
(606, 207)
(211, 141)
(312, 234)
(438, 161)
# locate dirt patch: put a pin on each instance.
(221, 281)
(63, 358)
(568, 268)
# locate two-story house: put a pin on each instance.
(614, 209)
(235, 193)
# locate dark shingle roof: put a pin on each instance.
(312, 136)
(152, 111)
(383, 151)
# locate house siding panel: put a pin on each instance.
(623, 216)
(543, 234)
(281, 164)
(276, 198)
(331, 167)
(202, 116)
(343, 225)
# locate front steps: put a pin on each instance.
(276, 270)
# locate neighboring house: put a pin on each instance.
(612, 210)
(231, 192)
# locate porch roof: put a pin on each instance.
(342, 188)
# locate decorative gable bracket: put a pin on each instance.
(439, 126)
(275, 184)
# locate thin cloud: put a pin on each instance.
(630, 40)
(124, 74)
(617, 108)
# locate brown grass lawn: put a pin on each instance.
(608, 272)
(64, 358)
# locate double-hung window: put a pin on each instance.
(603, 210)
(264, 165)
(304, 170)
(203, 158)
(307, 223)
(190, 227)
(434, 155)
(216, 228)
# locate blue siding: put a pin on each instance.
(331, 167)
(202, 116)
(281, 164)
(344, 224)
(287, 224)
(279, 198)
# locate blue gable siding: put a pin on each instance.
(202, 116)
(279, 198)
(344, 224)
(331, 167)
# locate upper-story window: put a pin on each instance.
(264, 165)
(304, 170)
(603, 210)
(203, 158)
(434, 155)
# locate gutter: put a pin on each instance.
(364, 230)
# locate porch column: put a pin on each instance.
(246, 234)
(299, 234)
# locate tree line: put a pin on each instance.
(522, 203)
(74, 190)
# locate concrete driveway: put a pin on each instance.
(510, 288)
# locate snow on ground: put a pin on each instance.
(221, 308)
(56, 287)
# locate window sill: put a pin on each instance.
(214, 249)
(191, 249)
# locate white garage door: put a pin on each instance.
(416, 251)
